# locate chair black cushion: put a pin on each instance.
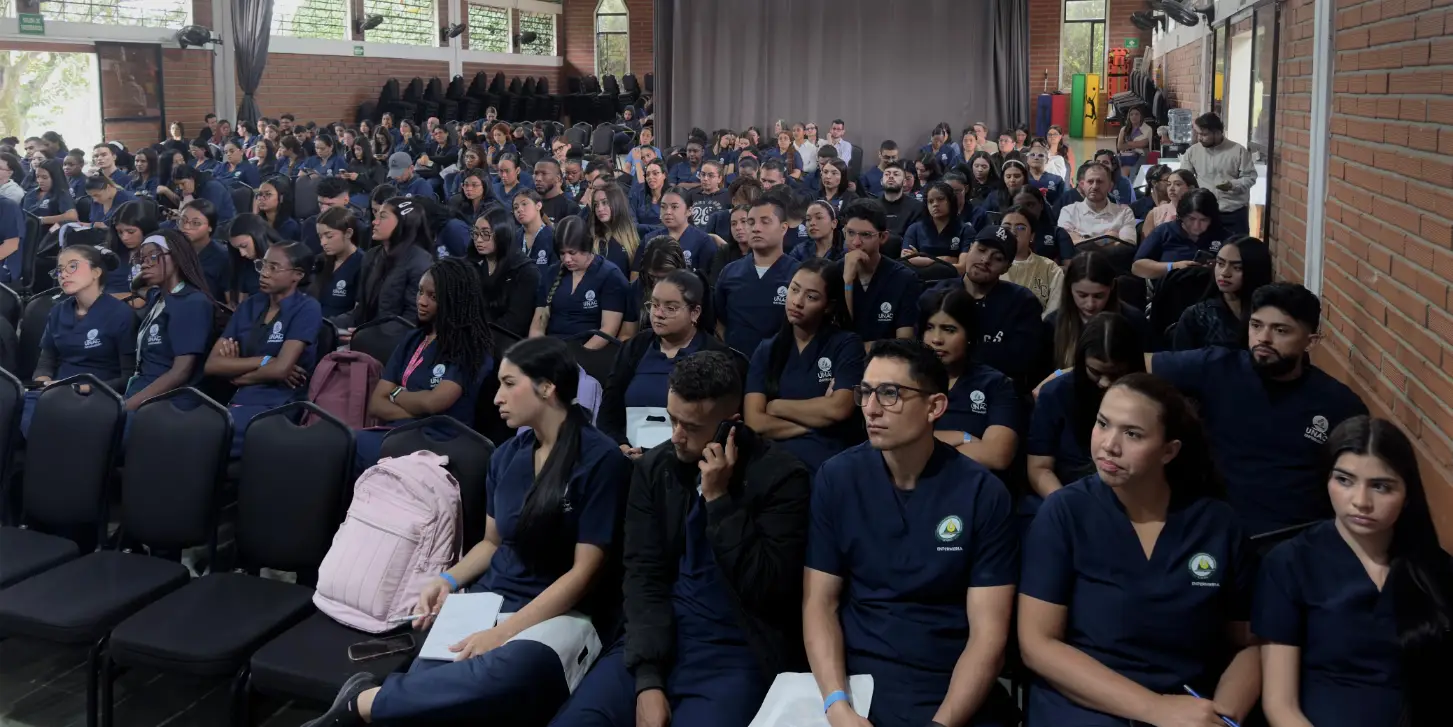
(310, 660)
(212, 626)
(80, 601)
(23, 553)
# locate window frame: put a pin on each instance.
(519, 48)
(1102, 21)
(509, 25)
(345, 35)
(432, 26)
(625, 34)
(52, 15)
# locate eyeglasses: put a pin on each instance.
(670, 309)
(481, 234)
(270, 267)
(888, 394)
(856, 235)
(472, 184)
(1016, 228)
(265, 195)
(193, 223)
(1038, 155)
(67, 269)
(147, 261)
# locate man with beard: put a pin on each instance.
(871, 183)
(711, 197)
(554, 202)
(716, 533)
(1224, 167)
(902, 209)
(1267, 409)
(685, 173)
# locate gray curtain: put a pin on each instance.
(252, 28)
(890, 70)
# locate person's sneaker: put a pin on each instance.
(344, 711)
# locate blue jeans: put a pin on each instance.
(520, 682)
(698, 694)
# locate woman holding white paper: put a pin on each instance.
(553, 508)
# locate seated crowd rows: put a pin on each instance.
(893, 426)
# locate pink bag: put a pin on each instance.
(342, 383)
(402, 531)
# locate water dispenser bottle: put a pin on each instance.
(1180, 126)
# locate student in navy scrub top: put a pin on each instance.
(473, 197)
(911, 561)
(51, 200)
(663, 257)
(1008, 321)
(103, 159)
(833, 185)
(751, 292)
(799, 383)
(696, 246)
(939, 235)
(335, 279)
(508, 280)
(1058, 443)
(388, 282)
(105, 196)
(940, 148)
(509, 184)
(1353, 607)
(537, 234)
(249, 238)
(197, 221)
(683, 174)
(328, 161)
(1177, 244)
(1268, 409)
(553, 508)
(1137, 582)
(1050, 185)
(615, 233)
(1089, 289)
(715, 536)
(146, 175)
(236, 169)
(440, 366)
(1243, 265)
(192, 184)
(983, 420)
(12, 235)
(633, 405)
(132, 223)
(74, 164)
(88, 332)
(274, 203)
(646, 197)
(583, 292)
(269, 346)
(176, 325)
(824, 239)
(882, 293)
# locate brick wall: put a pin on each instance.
(1184, 76)
(329, 88)
(1045, 17)
(577, 39)
(187, 86)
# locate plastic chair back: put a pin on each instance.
(378, 338)
(71, 449)
(32, 327)
(176, 454)
(468, 452)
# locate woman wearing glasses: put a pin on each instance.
(197, 220)
(177, 321)
(507, 278)
(268, 348)
(1038, 273)
(983, 417)
(1049, 184)
(800, 382)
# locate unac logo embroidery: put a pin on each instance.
(953, 244)
(824, 369)
(781, 298)
(1318, 431)
(885, 313)
(93, 338)
(442, 252)
(949, 529)
(589, 300)
(277, 333)
(541, 259)
(1202, 566)
(340, 289)
(153, 335)
(977, 402)
(438, 375)
(686, 255)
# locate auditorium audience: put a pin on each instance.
(939, 236)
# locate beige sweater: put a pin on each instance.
(1042, 276)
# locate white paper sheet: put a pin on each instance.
(463, 614)
(642, 431)
(793, 701)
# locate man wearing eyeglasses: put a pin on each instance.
(881, 293)
(1050, 185)
(911, 561)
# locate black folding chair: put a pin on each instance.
(379, 337)
(310, 661)
(598, 362)
(12, 400)
(32, 327)
(289, 503)
(10, 305)
(305, 196)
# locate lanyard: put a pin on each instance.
(416, 359)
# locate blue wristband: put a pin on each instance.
(968, 437)
(265, 359)
(834, 698)
(453, 584)
(1170, 268)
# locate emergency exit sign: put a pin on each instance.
(1132, 42)
(31, 24)
(358, 50)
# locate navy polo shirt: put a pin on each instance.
(807, 250)
(980, 398)
(1050, 184)
(542, 248)
(244, 173)
(216, 193)
(77, 186)
(871, 183)
(634, 301)
(217, 267)
(102, 214)
(1168, 243)
(696, 247)
(589, 512)
(288, 229)
(507, 197)
(925, 237)
(888, 303)
(143, 186)
(91, 344)
(342, 293)
(298, 319)
(752, 306)
(645, 211)
(431, 372)
(452, 240)
(907, 559)
(119, 176)
(617, 254)
(1159, 621)
(1314, 594)
(833, 356)
(417, 186)
(329, 167)
(681, 173)
(1268, 437)
(246, 277)
(575, 310)
(182, 328)
(1009, 326)
(12, 225)
(46, 206)
(1052, 431)
(648, 387)
(947, 157)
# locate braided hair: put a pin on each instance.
(459, 324)
(571, 234)
(185, 259)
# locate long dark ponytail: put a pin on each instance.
(1192, 474)
(539, 534)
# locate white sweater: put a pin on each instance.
(1225, 162)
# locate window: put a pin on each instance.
(1082, 41)
(406, 22)
(321, 19)
(146, 13)
(543, 26)
(612, 39)
(489, 29)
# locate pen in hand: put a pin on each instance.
(1229, 722)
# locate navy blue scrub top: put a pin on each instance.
(646, 212)
(1313, 593)
(216, 193)
(182, 328)
(1268, 437)
(1168, 243)
(925, 237)
(576, 310)
(94, 343)
(247, 277)
(648, 387)
(752, 306)
(1160, 622)
(143, 186)
(888, 303)
(46, 206)
(332, 166)
(1052, 434)
(1009, 326)
(12, 225)
(1050, 184)
(217, 266)
(244, 173)
(431, 372)
(833, 356)
(807, 249)
(696, 247)
(298, 320)
(590, 509)
(343, 293)
(908, 558)
(102, 214)
(980, 398)
(542, 248)
(681, 173)
(416, 187)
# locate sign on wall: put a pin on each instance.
(31, 24)
(1132, 42)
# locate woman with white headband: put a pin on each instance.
(177, 323)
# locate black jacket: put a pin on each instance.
(1208, 323)
(395, 294)
(758, 532)
(611, 417)
(509, 294)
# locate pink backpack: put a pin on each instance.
(402, 530)
(341, 385)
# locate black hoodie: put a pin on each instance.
(509, 294)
